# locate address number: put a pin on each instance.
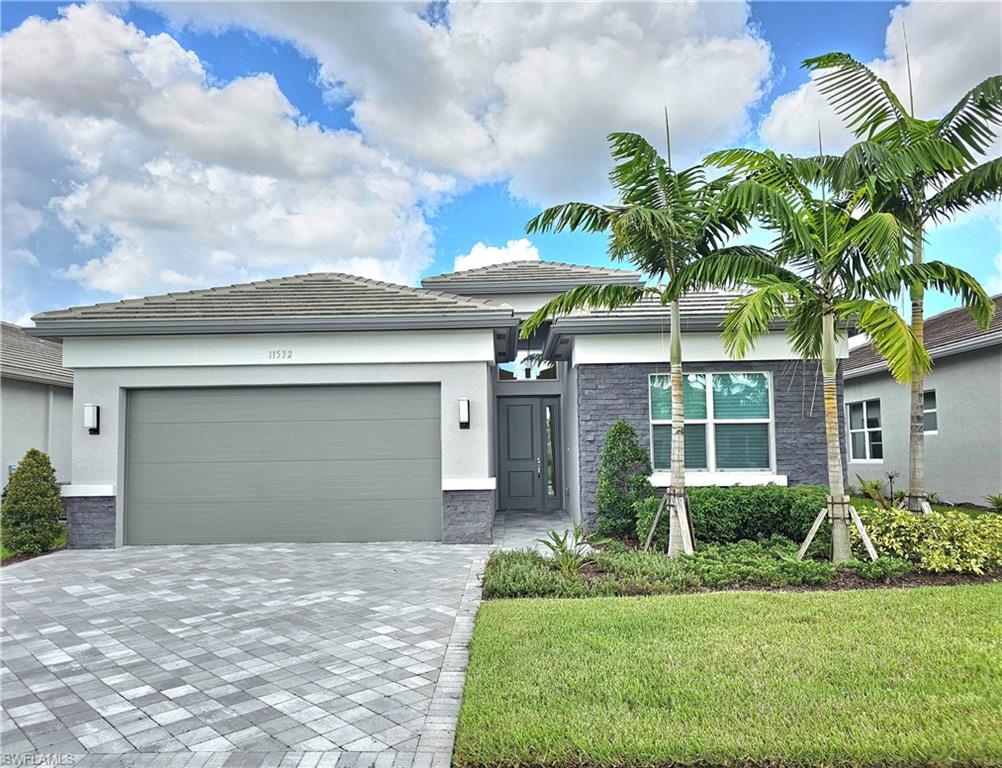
(279, 354)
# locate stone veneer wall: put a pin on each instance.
(90, 521)
(609, 392)
(467, 517)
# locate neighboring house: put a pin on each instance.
(36, 400)
(328, 407)
(963, 411)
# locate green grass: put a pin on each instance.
(878, 678)
(60, 544)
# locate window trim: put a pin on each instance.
(711, 422)
(925, 410)
(849, 431)
(498, 369)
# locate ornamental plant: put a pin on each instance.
(624, 469)
(29, 523)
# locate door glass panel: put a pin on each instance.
(551, 451)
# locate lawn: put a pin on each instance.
(898, 677)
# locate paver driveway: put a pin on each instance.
(239, 654)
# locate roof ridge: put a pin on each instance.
(486, 268)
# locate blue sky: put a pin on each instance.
(82, 170)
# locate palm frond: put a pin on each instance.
(941, 277)
(971, 124)
(772, 207)
(976, 186)
(732, 267)
(586, 297)
(752, 314)
(880, 239)
(571, 216)
(891, 335)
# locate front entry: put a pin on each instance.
(529, 453)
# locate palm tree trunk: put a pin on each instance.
(916, 433)
(837, 509)
(678, 539)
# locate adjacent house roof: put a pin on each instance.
(30, 359)
(704, 311)
(528, 277)
(947, 333)
(328, 301)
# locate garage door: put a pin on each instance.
(283, 464)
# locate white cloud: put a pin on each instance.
(994, 284)
(524, 92)
(481, 254)
(169, 181)
(953, 46)
(24, 256)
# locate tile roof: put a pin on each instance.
(315, 295)
(25, 357)
(527, 276)
(942, 332)
(704, 305)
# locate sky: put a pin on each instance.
(150, 148)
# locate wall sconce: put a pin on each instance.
(92, 418)
(464, 413)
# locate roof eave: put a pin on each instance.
(957, 348)
(36, 378)
(64, 327)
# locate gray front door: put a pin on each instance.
(218, 465)
(529, 453)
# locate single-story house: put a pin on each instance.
(36, 400)
(963, 411)
(329, 407)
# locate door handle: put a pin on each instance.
(539, 467)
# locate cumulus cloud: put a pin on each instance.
(953, 46)
(994, 284)
(167, 180)
(482, 255)
(523, 92)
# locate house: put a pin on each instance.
(963, 411)
(329, 407)
(36, 400)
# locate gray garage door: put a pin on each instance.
(283, 464)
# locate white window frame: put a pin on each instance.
(711, 422)
(930, 410)
(849, 431)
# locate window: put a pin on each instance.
(930, 419)
(527, 368)
(728, 421)
(866, 441)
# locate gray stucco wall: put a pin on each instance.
(35, 416)
(607, 393)
(963, 460)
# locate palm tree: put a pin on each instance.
(833, 263)
(919, 170)
(664, 219)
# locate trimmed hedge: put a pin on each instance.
(29, 524)
(623, 475)
(729, 514)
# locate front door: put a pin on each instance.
(529, 452)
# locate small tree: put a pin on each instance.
(622, 480)
(31, 507)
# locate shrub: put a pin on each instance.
(571, 549)
(939, 542)
(731, 514)
(884, 569)
(770, 563)
(527, 573)
(647, 572)
(622, 480)
(995, 502)
(31, 507)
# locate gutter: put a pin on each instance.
(36, 379)
(956, 348)
(60, 328)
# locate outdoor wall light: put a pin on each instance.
(464, 413)
(92, 418)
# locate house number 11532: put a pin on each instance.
(279, 354)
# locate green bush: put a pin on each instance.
(771, 563)
(638, 572)
(31, 507)
(623, 474)
(729, 514)
(884, 569)
(527, 573)
(949, 541)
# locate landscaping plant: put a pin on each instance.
(832, 263)
(995, 502)
(623, 472)
(664, 219)
(885, 569)
(919, 171)
(571, 549)
(29, 523)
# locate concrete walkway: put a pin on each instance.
(252, 655)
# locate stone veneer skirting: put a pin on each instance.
(90, 521)
(467, 517)
(609, 392)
